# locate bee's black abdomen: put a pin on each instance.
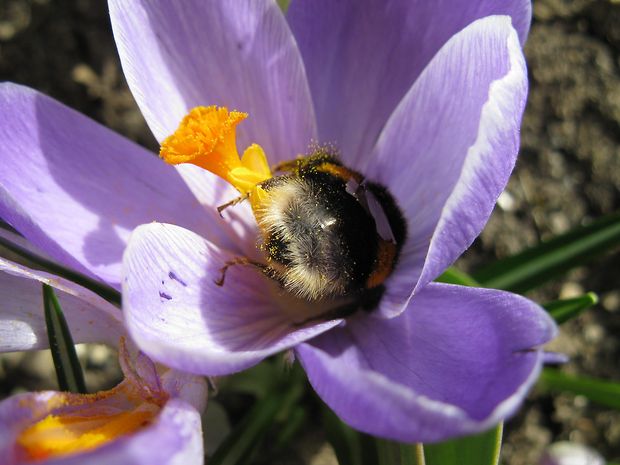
(323, 237)
(354, 230)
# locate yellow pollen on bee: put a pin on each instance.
(206, 137)
(61, 435)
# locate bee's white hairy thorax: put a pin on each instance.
(314, 265)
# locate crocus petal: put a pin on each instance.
(235, 226)
(238, 54)
(458, 361)
(16, 412)
(76, 189)
(447, 151)
(362, 56)
(16, 242)
(22, 322)
(178, 316)
(189, 388)
(176, 433)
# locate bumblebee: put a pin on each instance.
(328, 233)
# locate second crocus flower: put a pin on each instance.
(152, 405)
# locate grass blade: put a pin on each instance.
(346, 442)
(68, 369)
(41, 263)
(602, 392)
(454, 276)
(479, 449)
(531, 268)
(294, 423)
(284, 4)
(388, 452)
(395, 453)
(239, 444)
(563, 310)
(246, 437)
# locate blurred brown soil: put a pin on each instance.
(568, 172)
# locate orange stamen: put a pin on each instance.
(206, 138)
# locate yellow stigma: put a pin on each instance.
(206, 138)
(57, 436)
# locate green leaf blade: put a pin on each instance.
(246, 438)
(529, 269)
(454, 276)
(563, 310)
(284, 4)
(68, 369)
(602, 392)
(236, 448)
(40, 263)
(395, 453)
(479, 449)
(346, 442)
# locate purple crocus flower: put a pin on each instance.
(422, 97)
(153, 405)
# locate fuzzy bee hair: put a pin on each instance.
(328, 234)
(308, 254)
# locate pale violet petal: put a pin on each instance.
(178, 315)
(362, 56)
(22, 321)
(76, 190)
(239, 54)
(456, 362)
(448, 149)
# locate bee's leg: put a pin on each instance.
(239, 261)
(239, 199)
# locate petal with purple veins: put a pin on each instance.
(362, 56)
(457, 361)
(447, 151)
(76, 190)
(179, 316)
(238, 54)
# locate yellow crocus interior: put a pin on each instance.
(206, 137)
(60, 435)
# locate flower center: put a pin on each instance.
(328, 234)
(65, 434)
(82, 422)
